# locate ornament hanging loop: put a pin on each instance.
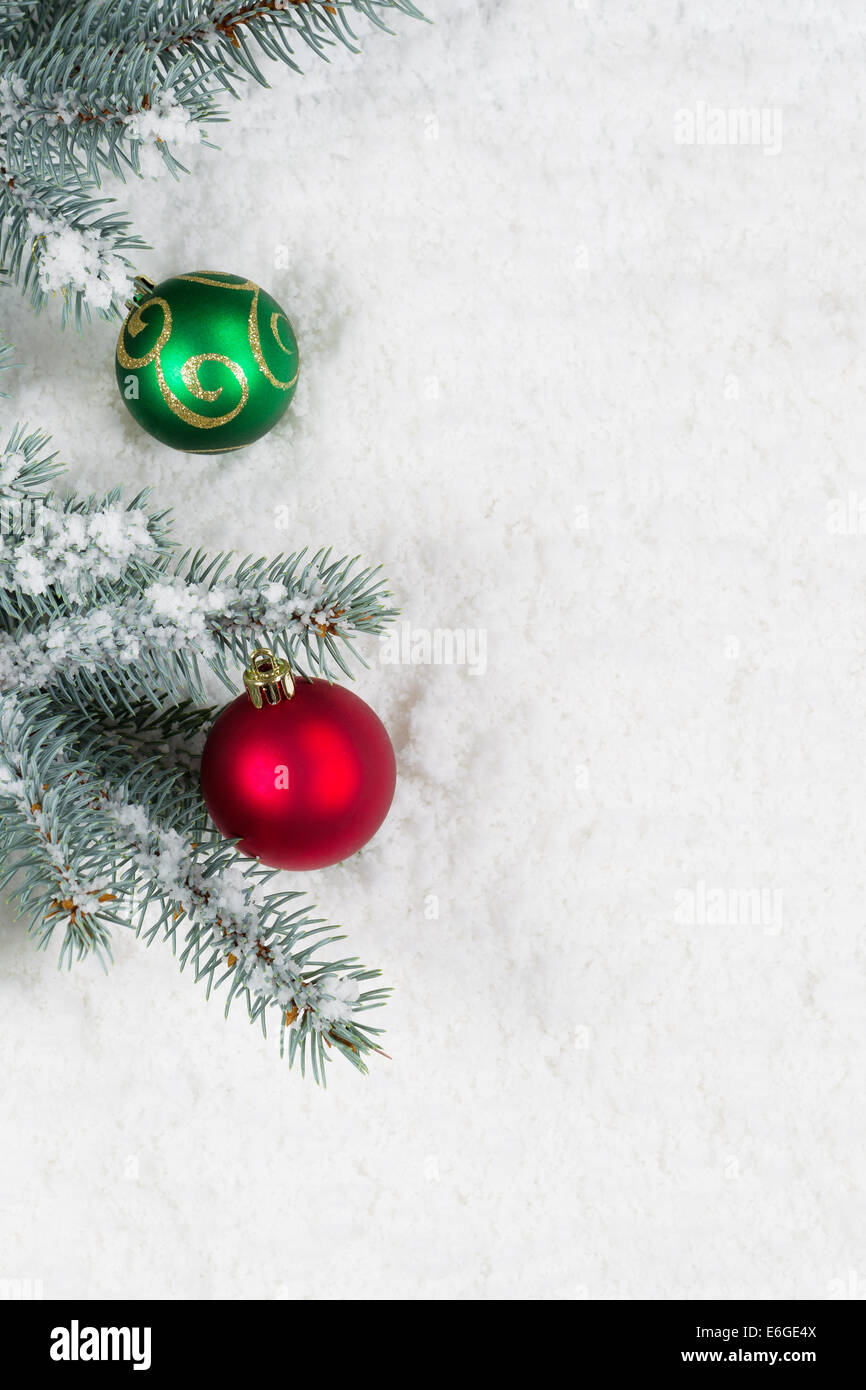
(268, 679)
(143, 288)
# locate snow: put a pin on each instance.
(78, 258)
(166, 122)
(595, 391)
(72, 549)
(11, 463)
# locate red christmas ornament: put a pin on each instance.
(301, 771)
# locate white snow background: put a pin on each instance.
(598, 393)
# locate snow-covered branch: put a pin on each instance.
(228, 930)
(53, 888)
(69, 549)
(90, 855)
(126, 87)
(163, 632)
(53, 130)
(57, 241)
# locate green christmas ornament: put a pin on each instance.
(206, 362)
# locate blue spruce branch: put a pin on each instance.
(104, 630)
(87, 853)
(92, 88)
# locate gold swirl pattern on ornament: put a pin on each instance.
(189, 375)
(256, 344)
(189, 371)
(207, 277)
(134, 325)
(221, 449)
(253, 336)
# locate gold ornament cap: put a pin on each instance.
(143, 287)
(268, 678)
